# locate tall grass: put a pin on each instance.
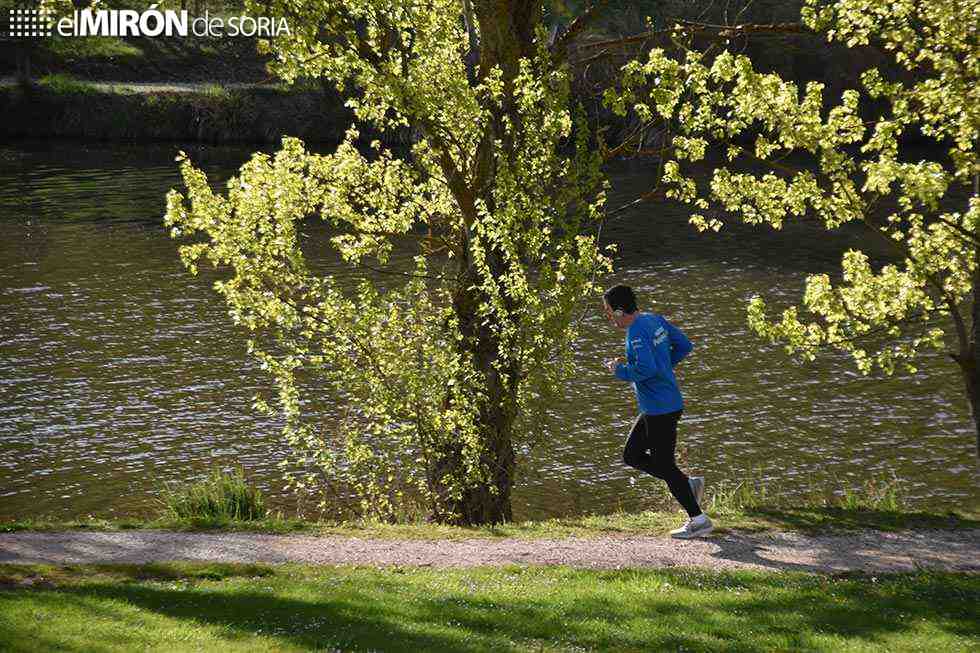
(877, 493)
(216, 500)
(882, 492)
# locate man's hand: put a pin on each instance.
(611, 364)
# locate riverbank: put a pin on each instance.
(64, 107)
(210, 607)
(747, 518)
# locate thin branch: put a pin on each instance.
(598, 56)
(655, 194)
(636, 38)
(723, 31)
(593, 11)
(473, 53)
(967, 235)
(748, 28)
(366, 350)
(626, 141)
(396, 272)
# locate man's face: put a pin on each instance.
(610, 315)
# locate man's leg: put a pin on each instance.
(662, 438)
(635, 452)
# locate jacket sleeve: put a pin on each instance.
(645, 366)
(680, 346)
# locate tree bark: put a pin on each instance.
(969, 357)
(506, 34)
(480, 503)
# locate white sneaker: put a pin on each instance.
(693, 528)
(697, 487)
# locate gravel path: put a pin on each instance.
(869, 551)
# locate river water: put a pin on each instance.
(120, 371)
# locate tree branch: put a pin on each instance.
(593, 11)
(722, 31)
(473, 54)
(966, 235)
(655, 194)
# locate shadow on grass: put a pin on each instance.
(13, 576)
(508, 609)
(819, 518)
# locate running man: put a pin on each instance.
(653, 347)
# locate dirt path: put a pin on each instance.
(869, 551)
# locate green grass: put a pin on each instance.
(143, 58)
(64, 84)
(213, 502)
(291, 608)
(74, 50)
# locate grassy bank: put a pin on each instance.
(292, 607)
(225, 500)
(157, 59)
(804, 519)
(64, 107)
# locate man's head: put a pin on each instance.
(619, 304)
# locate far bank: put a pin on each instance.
(62, 107)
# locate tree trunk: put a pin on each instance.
(480, 503)
(968, 361)
(506, 33)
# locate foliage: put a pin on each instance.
(51, 8)
(852, 171)
(439, 362)
(216, 500)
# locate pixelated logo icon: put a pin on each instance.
(129, 22)
(30, 22)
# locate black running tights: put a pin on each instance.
(650, 448)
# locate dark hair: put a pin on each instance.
(621, 298)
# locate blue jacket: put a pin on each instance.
(653, 347)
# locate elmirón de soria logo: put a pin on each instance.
(149, 22)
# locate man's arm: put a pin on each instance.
(680, 346)
(645, 365)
